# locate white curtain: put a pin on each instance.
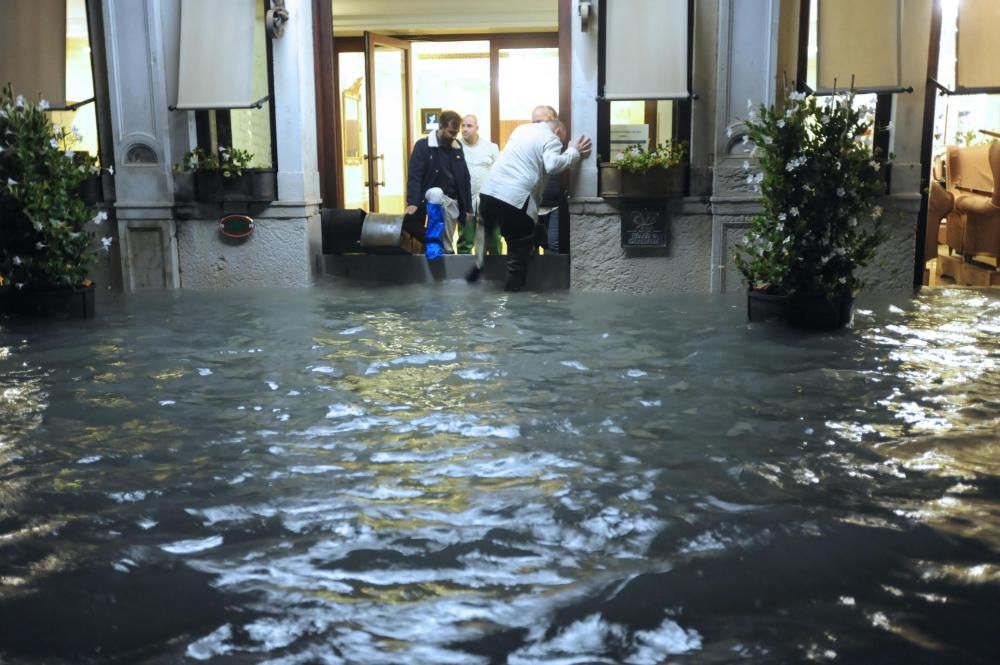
(216, 54)
(978, 55)
(33, 49)
(646, 49)
(859, 39)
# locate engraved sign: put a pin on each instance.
(644, 226)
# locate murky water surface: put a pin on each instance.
(444, 474)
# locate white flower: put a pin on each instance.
(3, 114)
(19, 285)
(44, 105)
(40, 245)
(17, 260)
(789, 112)
(853, 221)
(11, 182)
(840, 191)
(100, 217)
(753, 116)
(781, 122)
(749, 103)
(19, 102)
(797, 96)
(54, 143)
(2, 149)
(782, 216)
(824, 119)
(876, 212)
(729, 132)
(836, 165)
(842, 280)
(768, 140)
(746, 164)
(106, 243)
(873, 164)
(794, 211)
(750, 179)
(70, 154)
(111, 170)
(759, 178)
(620, 156)
(889, 126)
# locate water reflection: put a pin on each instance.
(435, 475)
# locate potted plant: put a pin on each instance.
(819, 224)
(641, 173)
(222, 176)
(46, 247)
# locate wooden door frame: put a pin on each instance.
(371, 40)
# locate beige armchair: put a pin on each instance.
(979, 210)
(940, 203)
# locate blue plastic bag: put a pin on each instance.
(435, 229)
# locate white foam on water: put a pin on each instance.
(473, 374)
(129, 497)
(316, 469)
(272, 385)
(575, 364)
(231, 513)
(213, 644)
(352, 331)
(651, 402)
(323, 369)
(192, 546)
(204, 371)
(90, 460)
(667, 639)
(147, 523)
(386, 493)
(341, 410)
(167, 402)
(635, 373)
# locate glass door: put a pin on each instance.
(387, 70)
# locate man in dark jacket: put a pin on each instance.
(437, 160)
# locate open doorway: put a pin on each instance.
(962, 228)
(499, 79)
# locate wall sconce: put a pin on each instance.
(584, 9)
(276, 18)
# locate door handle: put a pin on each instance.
(381, 181)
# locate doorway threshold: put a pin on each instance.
(545, 273)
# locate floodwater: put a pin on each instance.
(443, 474)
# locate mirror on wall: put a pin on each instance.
(351, 113)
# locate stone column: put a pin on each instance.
(748, 57)
(139, 119)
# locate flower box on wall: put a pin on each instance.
(254, 185)
(653, 184)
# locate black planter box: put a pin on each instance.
(255, 185)
(184, 187)
(800, 311)
(68, 303)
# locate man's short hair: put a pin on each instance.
(546, 112)
(448, 118)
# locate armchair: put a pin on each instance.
(980, 213)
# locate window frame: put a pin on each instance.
(682, 111)
(218, 122)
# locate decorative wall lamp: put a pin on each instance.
(276, 18)
(584, 9)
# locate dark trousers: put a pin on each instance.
(518, 230)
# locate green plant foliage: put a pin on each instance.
(818, 184)
(636, 159)
(231, 162)
(44, 242)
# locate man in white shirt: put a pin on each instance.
(510, 194)
(480, 155)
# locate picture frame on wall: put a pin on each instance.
(429, 118)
